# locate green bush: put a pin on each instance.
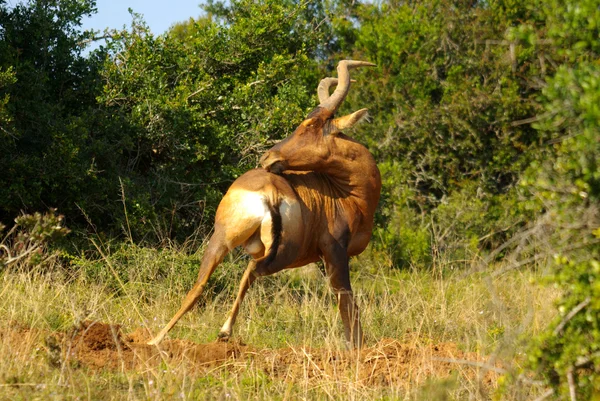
(465, 224)
(565, 184)
(47, 109)
(402, 235)
(144, 135)
(26, 244)
(446, 97)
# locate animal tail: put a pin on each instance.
(276, 229)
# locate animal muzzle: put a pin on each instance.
(273, 162)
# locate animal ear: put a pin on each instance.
(350, 120)
(309, 121)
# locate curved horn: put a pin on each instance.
(338, 96)
(323, 88)
(324, 85)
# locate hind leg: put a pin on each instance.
(214, 254)
(258, 246)
(255, 268)
(247, 280)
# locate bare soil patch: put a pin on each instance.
(97, 345)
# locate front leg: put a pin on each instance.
(338, 272)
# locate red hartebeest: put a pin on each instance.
(314, 198)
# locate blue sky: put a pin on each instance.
(159, 15)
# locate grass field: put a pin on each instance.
(78, 332)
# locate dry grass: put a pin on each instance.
(482, 320)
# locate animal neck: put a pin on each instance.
(351, 167)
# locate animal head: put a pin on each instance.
(311, 144)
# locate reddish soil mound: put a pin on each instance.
(389, 362)
(100, 345)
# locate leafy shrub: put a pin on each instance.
(465, 223)
(470, 223)
(402, 236)
(48, 123)
(446, 97)
(26, 244)
(168, 120)
(451, 98)
(565, 184)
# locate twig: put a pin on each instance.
(123, 200)
(9, 233)
(316, 28)
(571, 381)
(502, 230)
(542, 256)
(8, 133)
(508, 42)
(558, 330)
(517, 237)
(21, 256)
(531, 119)
(519, 264)
(196, 92)
(96, 38)
(547, 394)
(584, 362)
(532, 382)
(7, 250)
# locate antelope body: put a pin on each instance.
(313, 199)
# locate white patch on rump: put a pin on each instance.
(242, 213)
(247, 204)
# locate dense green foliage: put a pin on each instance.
(486, 127)
(201, 103)
(449, 98)
(565, 181)
(47, 112)
(145, 134)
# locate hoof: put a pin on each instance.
(156, 340)
(223, 337)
